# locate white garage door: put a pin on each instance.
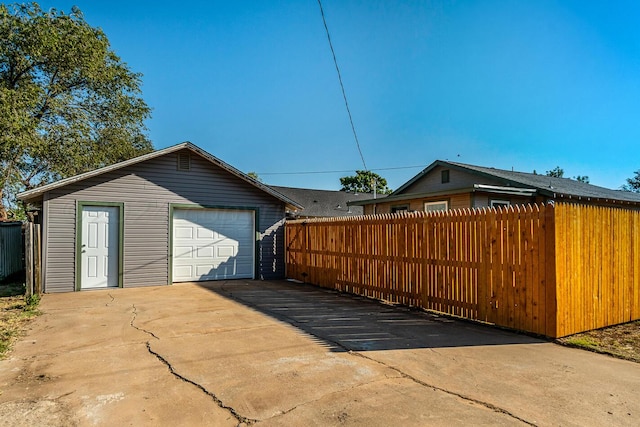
(213, 244)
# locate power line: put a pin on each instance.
(340, 171)
(344, 95)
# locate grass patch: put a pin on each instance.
(15, 312)
(585, 342)
(622, 341)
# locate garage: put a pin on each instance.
(178, 214)
(213, 244)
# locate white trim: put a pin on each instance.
(506, 190)
(44, 228)
(436, 203)
(497, 202)
(400, 208)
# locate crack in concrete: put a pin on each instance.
(133, 318)
(353, 387)
(242, 420)
(300, 325)
(63, 395)
(225, 330)
(112, 300)
(444, 390)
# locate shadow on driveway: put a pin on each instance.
(352, 323)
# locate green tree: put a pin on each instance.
(68, 103)
(364, 182)
(255, 176)
(633, 183)
(556, 172)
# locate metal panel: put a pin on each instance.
(11, 249)
(147, 189)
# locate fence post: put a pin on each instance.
(484, 257)
(37, 260)
(28, 259)
(305, 253)
(551, 301)
(424, 236)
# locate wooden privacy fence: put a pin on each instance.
(524, 268)
(597, 267)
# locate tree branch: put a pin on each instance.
(14, 79)
(48, 96)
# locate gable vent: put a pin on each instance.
(184, 161)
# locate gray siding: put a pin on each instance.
(59, 241)
(457, 180)
(147, 189)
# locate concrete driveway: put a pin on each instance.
(281, 354)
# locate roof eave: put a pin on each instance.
(607, 200)
(511, 191)
(35, 193)
(524, 192)
(31, 196)
(401, 197)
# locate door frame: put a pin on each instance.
(79, 207)
(256, 224)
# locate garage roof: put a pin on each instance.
(36, 193)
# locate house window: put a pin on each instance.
(184, 161)
(499, 203)
(436, 206)
(403, 208)
(445, 176)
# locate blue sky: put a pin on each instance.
(528, 85)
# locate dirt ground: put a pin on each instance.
(622, 341)
(15, 314)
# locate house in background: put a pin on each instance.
(173, 215)
(447, 185)
(322, 203)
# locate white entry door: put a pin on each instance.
(99, 250)
(213, 244)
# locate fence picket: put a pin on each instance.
(551, 270)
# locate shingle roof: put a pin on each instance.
(323, 203)
(555, 188)
(551, 186)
